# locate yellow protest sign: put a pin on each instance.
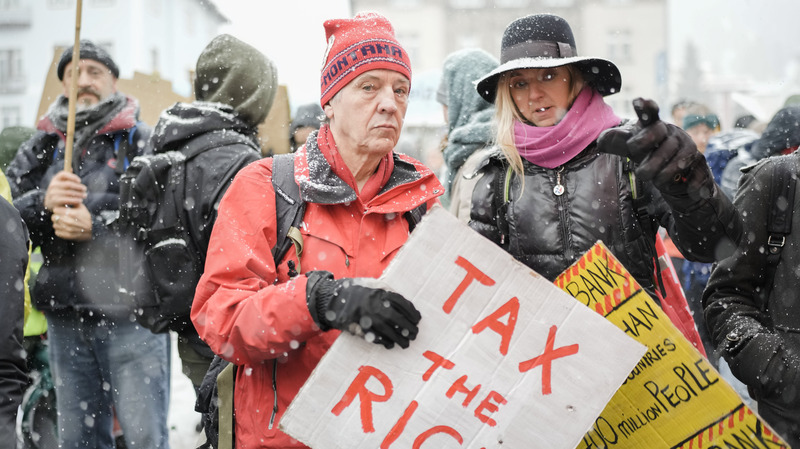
(673, 398)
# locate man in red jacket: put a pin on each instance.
(274, 323)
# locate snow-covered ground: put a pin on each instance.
(182, 417)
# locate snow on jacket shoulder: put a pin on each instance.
(249, 311)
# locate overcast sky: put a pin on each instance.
(757, 37)
(289, 32)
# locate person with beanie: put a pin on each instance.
(105, 364)
(700, 123)
(235, 87)
(275, 319)
(309, 118)
(469, 117)
(567, 172)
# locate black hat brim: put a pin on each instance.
(600, 73)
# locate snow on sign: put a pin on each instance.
(674, 398)
(503, 358)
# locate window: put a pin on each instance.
(103, 3)
(10, 116)
(10, 5)
(10, 65)
(619, 46)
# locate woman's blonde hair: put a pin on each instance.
(506, 112)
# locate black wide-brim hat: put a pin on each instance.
(543, 41)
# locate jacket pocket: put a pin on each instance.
(171, 271)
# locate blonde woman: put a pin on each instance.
(549, 190)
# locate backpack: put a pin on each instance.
(215, 398)
(160, 261)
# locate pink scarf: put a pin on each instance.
(553, 146)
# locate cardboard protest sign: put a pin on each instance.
(503, 358)
(673, 398)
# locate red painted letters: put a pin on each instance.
(473, 274)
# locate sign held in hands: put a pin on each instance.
(503, 358)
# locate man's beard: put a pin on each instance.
(85, 103)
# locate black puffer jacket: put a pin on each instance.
(13, 263)
(759, 333)
(233, 145)
(548, 232)
(79, 275)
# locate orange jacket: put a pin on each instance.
(254, 315)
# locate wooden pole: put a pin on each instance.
(73, 88)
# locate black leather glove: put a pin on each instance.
(351, 305)
(663, 153)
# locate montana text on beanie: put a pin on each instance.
(88, 51)
(365, 42)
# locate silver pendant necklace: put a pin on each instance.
(559, 189)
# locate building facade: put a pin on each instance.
(631, 33)
(162, 37)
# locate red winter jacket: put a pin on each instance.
(254, 315)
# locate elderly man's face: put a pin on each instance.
(95, 82)
(367, 114)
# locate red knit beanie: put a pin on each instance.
(365, 42)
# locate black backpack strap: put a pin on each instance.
(415, 215)
(779, 221)
(289, 208)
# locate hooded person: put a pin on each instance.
(275, 319)
(235, 87)
(781, 136)
(469, 116)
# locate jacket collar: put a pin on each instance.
(319, 184)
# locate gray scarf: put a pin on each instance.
(88, 121)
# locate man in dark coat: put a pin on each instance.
(13, 262)
(100, 356)
(752, 310)
(235, 88)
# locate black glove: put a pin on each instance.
(662, 152)
(349, 304)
